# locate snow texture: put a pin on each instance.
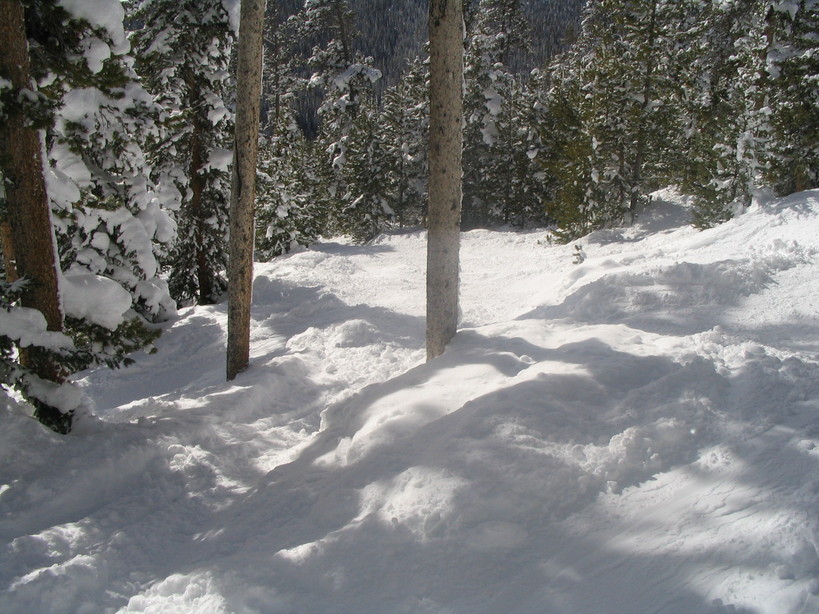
(94, 298)
(106, 14)
(634, 433)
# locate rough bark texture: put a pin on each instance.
(243, 195)
(28, 241)
(445, 171)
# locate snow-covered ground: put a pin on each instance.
(637, 433)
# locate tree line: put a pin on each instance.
(124, 140)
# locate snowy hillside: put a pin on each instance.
(636, 433)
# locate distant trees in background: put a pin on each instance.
(718, 98)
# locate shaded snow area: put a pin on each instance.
(634, 434)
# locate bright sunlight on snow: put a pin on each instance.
(637, 433)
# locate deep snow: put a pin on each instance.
(634, 434)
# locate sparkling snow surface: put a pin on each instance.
(635, 434)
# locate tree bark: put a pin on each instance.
(204, 274)
(445, 171)
(28, 240)
(243, 194)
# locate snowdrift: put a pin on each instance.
(634, 433)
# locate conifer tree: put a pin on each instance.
(286, 212)
(344, 79)
(28, 242)
(109, 225)
(498, 31)
(793, 69)
(363, 210)
(728, 117)
(183, 51)
(404, 123)
(243, 188)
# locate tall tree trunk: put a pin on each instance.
(29, 242)
(243, 194)
(445, 171)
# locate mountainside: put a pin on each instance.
(627, 424)
(394, 31)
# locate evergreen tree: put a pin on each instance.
(108, 223)
(243, 186)
(183, 56)
(445, 147)
(615, 92)
(286, 212)
(498, 30)
(728, 115)
(404, 123)
(793, 69)
(344, 78)
(363, 205)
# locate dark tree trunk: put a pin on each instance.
(28, 240)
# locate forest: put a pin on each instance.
(572, 119)
(623, 418)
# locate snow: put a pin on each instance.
(106, 14)
(94, 298)
(635, 433)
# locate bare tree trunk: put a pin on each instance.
(445, 171)
(243, 194)
(28, 243)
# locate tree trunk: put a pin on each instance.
(28, 244)
(445, 171)
(243, 194)
(195, 207)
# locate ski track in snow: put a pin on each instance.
(634, 434)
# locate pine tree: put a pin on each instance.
(728, 117)
(363, 205)
(404, 125)
(286, 212)
(344, 79)
(498, 30)
(109, 226)
(28, 243)
(183, 51)
(793, 69)
(619, 99)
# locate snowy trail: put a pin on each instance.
(635, 434)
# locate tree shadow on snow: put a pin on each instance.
(492, 481)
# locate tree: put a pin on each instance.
(243, 192)
(492, 111)
(793, 67)
(184, 49)
(29, 247)
(404, 123)
(286, 212)
(344, 81)
(726, 110)
(445, 176)
(109, 225)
